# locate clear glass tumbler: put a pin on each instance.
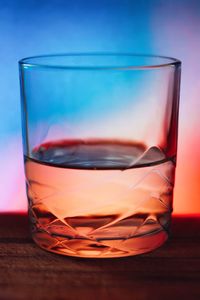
(100, 144)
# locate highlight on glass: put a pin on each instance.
(100, 144)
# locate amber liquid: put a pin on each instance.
(99, 198)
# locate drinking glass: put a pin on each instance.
(100, 143)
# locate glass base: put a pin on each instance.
(100, 249)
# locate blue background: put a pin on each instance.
(37, 27)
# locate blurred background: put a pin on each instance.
(162, 27)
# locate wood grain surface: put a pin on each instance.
(171, 272)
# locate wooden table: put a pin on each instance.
(27, 272)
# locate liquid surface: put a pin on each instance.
(99, 198)
(97, 154)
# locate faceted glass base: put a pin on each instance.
(100, 211)
(103, 249)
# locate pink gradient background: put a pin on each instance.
(181, 37)
(175, 31)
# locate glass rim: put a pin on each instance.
(167, 61)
